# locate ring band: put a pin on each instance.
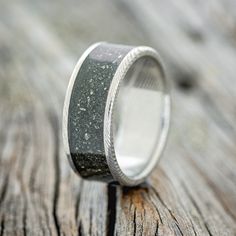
(116, 113)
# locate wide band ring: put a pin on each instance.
(116, 113)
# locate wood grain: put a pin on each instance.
(191, 192)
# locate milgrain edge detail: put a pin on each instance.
(126, 63)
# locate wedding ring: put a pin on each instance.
(116, 113)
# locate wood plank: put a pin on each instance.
(191, 192)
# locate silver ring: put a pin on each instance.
(116, 113)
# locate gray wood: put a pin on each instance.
(191, 192)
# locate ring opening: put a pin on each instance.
(138, 116)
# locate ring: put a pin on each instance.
(116, 113)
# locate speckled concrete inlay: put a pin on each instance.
(87, 108)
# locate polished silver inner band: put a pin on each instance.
(139, 117)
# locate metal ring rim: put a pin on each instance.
(128, 60)
(121, 71)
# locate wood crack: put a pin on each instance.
(197, 208)
(80, 229)
(111, 209)
(90, 221)
(2, 227)
(4, 189)
(54, 123)
(46, 217)
(24, 220)
(77, 204)
(195, 233)
(159, 215)
(169, 210)
(134, 221)
(157, 228)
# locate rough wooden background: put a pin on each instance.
(191, 192)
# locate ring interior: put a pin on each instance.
(137, 120)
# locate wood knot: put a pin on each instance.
(186, 80)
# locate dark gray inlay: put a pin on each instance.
(87, 107)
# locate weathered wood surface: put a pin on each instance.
(191, 192)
